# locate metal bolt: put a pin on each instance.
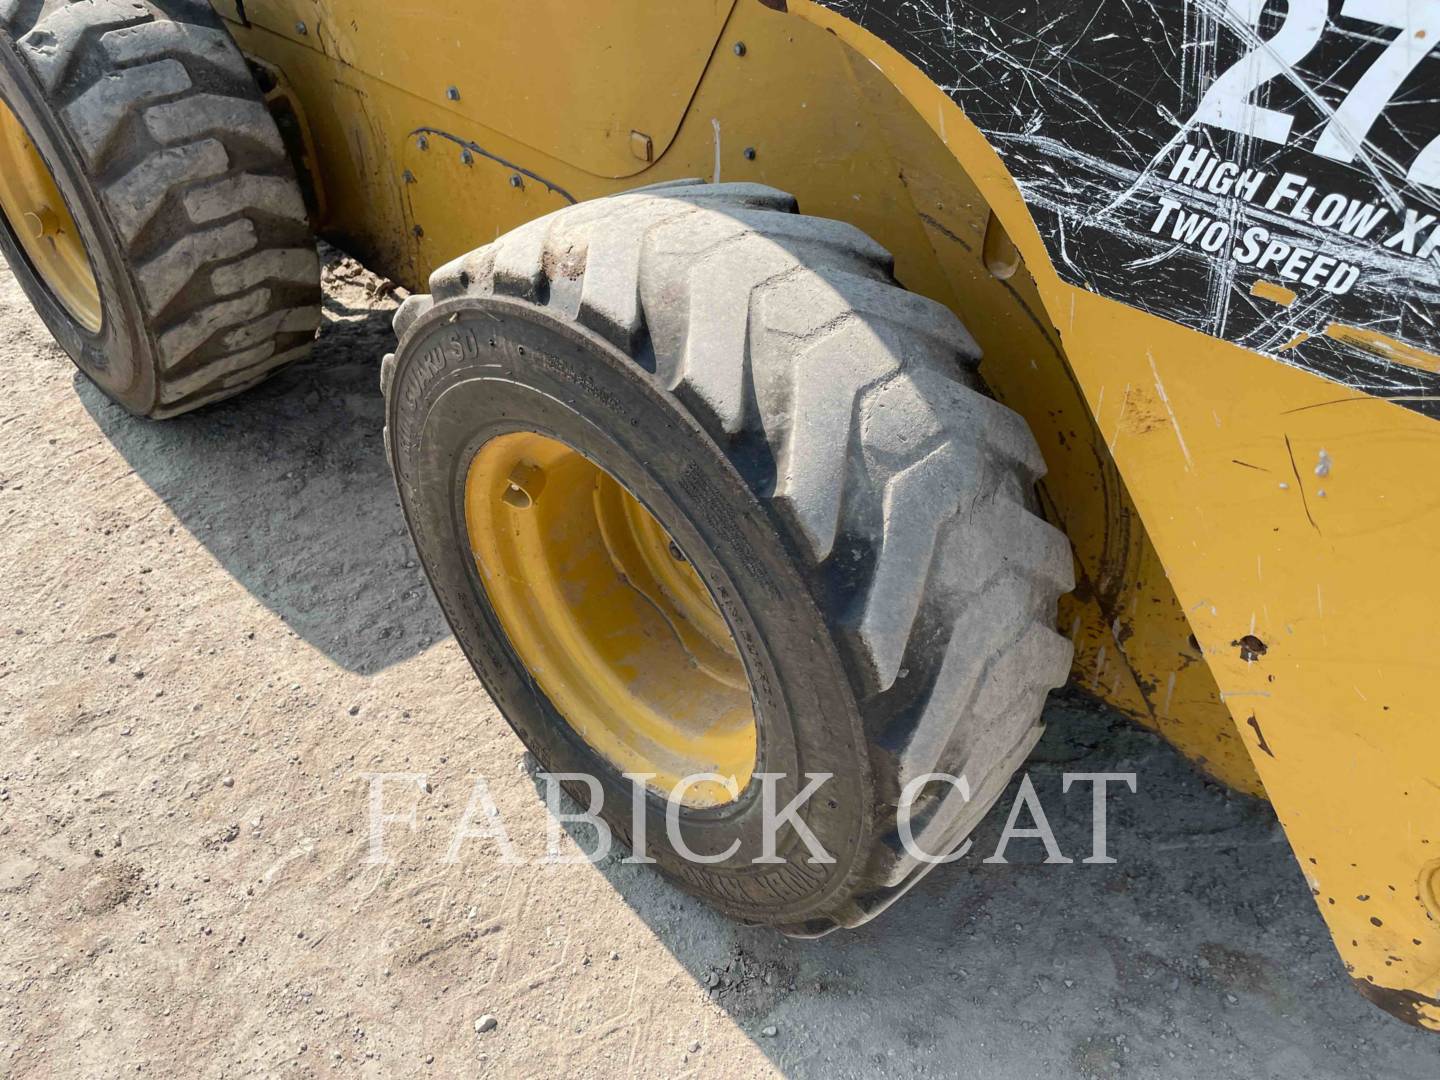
(41, 223)
(301, 29)
(453, 93)
(417, 232)
(467, 158)
(739, 48)
(676, 553)
(749, 153)
(408, 176)
(524, 486)
(516, 181)
(423, 143)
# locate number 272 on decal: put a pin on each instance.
(1227, 104)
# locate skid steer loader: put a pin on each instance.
(807, 387)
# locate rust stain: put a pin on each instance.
(1142, 412)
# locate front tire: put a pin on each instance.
(816, 442)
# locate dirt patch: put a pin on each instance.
(107, 888)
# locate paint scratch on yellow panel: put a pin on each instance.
(1165, 400)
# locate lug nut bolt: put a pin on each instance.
(41, 223)
(524, 486)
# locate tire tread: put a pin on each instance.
(192, 172)
(791, 331)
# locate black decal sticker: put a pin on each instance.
(1265, 171)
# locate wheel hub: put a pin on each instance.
(31, 202)
(609, 616)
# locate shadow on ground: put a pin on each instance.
(1199, 952)
(257, 479)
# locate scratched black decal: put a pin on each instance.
(1267, 171)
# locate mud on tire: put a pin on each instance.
(763, 383)
(161, 144)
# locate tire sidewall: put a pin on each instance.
(118, 357)
(474, 368)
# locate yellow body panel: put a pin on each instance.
(1167, 448)
(634, 70)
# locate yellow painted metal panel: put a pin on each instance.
(572, 87)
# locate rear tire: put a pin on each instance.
(817, 441)
(160, 143)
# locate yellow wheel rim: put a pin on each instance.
(610, 617)
(43, 224)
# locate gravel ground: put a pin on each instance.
(214, 630)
